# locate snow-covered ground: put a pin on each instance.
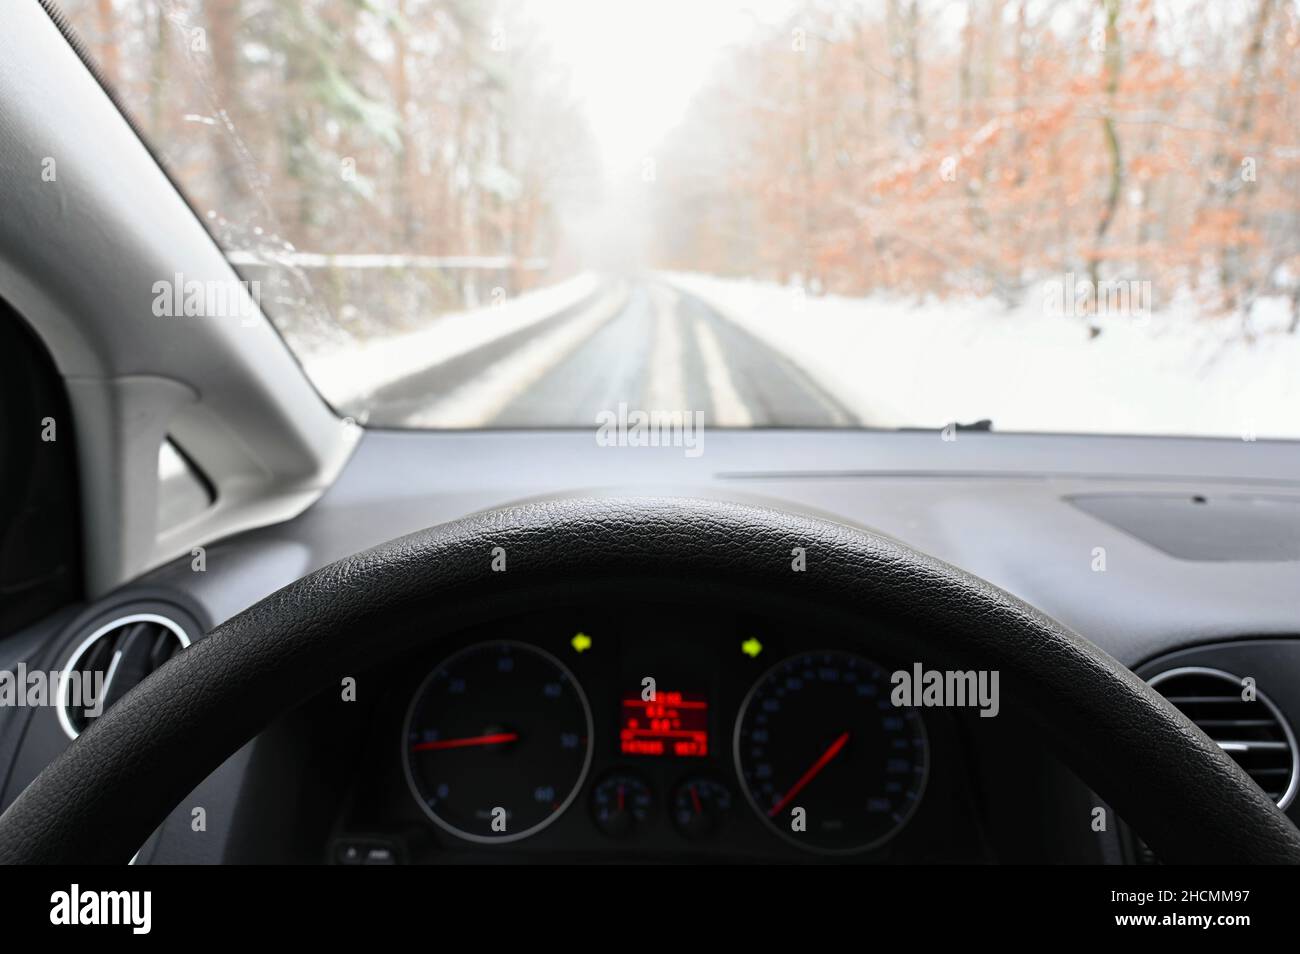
(348, 375)
(892, 362)
(898, 363)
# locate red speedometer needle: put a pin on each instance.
(495, 739)
(809, 775)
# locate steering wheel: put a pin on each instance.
(103, 796)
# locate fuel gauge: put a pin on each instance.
(699, 806)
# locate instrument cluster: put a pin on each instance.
(591, 732)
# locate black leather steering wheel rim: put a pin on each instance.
(102, 797)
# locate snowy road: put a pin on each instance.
(640, 343)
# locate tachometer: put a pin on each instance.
(497, 742)
(824, 756)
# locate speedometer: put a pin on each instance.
(497, 742)
(825, 757)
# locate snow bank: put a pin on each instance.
(898, 363)
(347, 375)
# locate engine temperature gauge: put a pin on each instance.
(620, 803)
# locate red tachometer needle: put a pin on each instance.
(809, 775)
(495, 739)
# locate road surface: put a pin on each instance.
(639, 343)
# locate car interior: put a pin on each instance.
(434, 596)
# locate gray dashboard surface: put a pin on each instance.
(994, 504)
(1227, 527)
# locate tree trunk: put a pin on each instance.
(404, 186)
(108, 57)
(1114, 63)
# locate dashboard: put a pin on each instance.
(554, 722)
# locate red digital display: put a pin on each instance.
(673, 723)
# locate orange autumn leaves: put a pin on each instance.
(973, 148)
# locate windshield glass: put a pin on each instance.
(1050, 215)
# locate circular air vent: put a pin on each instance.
(1251, 730)
(122, 653)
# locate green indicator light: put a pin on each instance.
(581, 642)
(751, 647)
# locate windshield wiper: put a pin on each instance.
(983, 424)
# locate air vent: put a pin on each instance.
(1254, 733)
(125, 651)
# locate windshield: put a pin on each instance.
(1078, 216)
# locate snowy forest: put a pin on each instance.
(925, 148)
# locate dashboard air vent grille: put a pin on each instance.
(1253, 732)
(124, 651)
